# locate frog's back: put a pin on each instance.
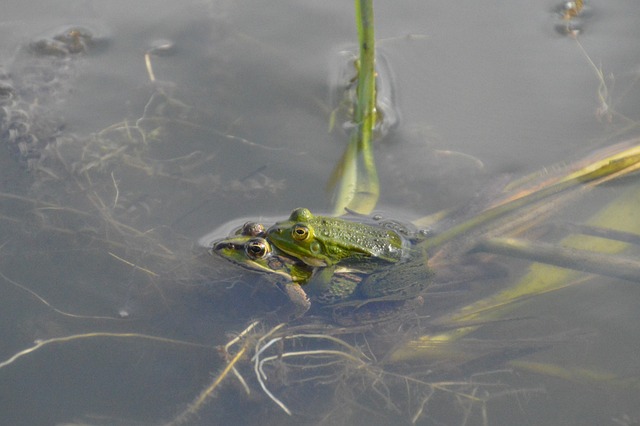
(371, 240)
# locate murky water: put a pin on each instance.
(133, 167)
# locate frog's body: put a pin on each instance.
(326, 241)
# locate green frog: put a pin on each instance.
(322, 241)
(255, 253)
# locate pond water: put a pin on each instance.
(183, 116)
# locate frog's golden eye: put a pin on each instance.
(257, 249)
(300, 232)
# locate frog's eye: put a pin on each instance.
(257, 249)
(252, 229)
(300, 232)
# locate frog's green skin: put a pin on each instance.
(326, 241)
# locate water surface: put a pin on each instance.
(235, 124)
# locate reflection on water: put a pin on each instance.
(101, 214)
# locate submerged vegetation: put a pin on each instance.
(177, 318)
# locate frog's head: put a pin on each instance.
(297, 237)
(250, 252)
(257, 254)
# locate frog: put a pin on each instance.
(257, 254)
(324, 241)
(386, 253)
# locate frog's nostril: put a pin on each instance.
(222, 246)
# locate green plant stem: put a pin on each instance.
(358, 189)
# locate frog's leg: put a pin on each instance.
(299, 301)
(402, 281)
(328, 287)
(320, 281)
(298, 298)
